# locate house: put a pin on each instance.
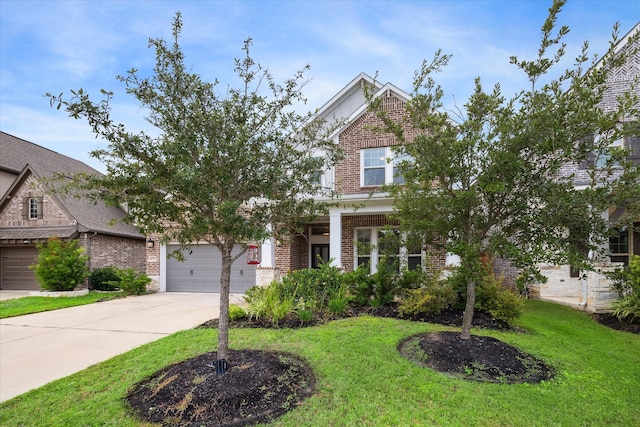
(592, 290)
(29, 214)
(353, 231)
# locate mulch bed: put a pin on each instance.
(479, 358)
(260, 386)
(613, 322)
(257, 387)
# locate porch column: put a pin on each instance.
(266, 251)
(335, 238)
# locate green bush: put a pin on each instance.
(359, 284)
(131, 281)
(627, 282)
(385, 283)
(269, 302)
(104, 279)
(491, 296)
(60, 266)
(313, 287)
(429, 300)
(236, 312)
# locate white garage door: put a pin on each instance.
(200, 271)
(14, 268)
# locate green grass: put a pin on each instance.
(29, 305)
(363, 381)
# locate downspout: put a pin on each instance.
(585, 282)
(585, 289)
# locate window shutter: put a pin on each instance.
(25, 208)
(590, 161)
(40, 207)
(633, 145)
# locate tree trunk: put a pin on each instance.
(467, 319)
(223, 325)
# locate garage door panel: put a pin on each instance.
(14, 268)
(200, 271)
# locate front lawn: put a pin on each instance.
(29, 305)
(362, 380)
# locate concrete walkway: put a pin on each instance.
(38, 348)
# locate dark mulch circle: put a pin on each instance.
(625, 325)
(478, 358)
(257, 387)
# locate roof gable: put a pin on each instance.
(26, 159)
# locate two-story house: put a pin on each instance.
(351, 235)
(30, 214)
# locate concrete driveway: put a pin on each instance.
(38, 348)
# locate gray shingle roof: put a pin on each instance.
(17, 154)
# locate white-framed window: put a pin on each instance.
(379, 166)
(374, 245)
(32, 208)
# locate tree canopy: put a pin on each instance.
(226, 167)
(491, 178)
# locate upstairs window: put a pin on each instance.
(378, 166)
(374, 164)
(32, 208)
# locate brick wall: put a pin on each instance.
(292, 254)
(13, 215)
(359, 135)
(114, 251)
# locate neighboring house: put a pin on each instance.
(30, 214)
(592, 290)
(352, 232)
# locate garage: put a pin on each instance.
(200, 271)
(14, 268)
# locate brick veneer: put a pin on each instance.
(359, 135)
(13, 214)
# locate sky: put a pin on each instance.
(58, 46)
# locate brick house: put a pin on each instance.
(30, 214)
(591, 290)
(348, 236)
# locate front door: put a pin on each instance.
(319, 254)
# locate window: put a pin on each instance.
(414, 253)
(398, 178)
(379, 166)
(376, 245)
(32, 208)
(363, 248)
(619, 246)
(374, 163)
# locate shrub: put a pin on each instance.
(104, 279)
(60, 266)
(132, 282)
(429, 300)
(313, 286)
(385, 283)
(236, 312)
(627, 282)
(269, 302)
(491, 296)
(359, 284)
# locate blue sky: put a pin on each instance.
(55, 46)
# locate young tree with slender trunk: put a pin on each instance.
(225, 168)
(488, 180)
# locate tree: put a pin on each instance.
(226, 169)
(488, 180)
